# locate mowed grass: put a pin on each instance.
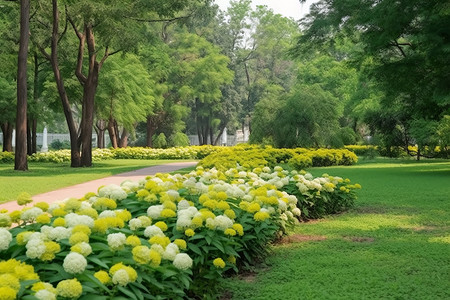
(45, 177)
(395, 243)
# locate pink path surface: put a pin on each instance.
(79, 190)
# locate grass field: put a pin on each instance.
(44, 177)
(395, 243)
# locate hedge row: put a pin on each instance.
(299, 158)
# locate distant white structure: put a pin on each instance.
(13, 142)
(224, 137)
(44, 147)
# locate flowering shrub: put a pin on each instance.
(255, 156)
(191, 152)
(6, 157)
(165, 237)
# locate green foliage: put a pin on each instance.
(58, 145)
(159, 141)
(178, 139)
(6, 157)
(308, 118)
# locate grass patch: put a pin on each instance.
(45, 177)
(393, 245)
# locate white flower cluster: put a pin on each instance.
(116, 240)
(31, 214)
(185, 216)
(73, 219)
(112, 191)
(219, 222)
(170, 252)
(58, 233)
(130, 186)
(151, 231)
(182, 261)
(154, 211)
(5, 238)
(74, 263)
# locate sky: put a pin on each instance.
(287, 8)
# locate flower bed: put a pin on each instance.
(166, 237)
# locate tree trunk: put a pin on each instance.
(33, 120)
(34, 136)
(101, 127)
(152, 126)
(112, 133)
(75, 158)
(20, 161)
(123, 142)
(28, 138)
(7, 130)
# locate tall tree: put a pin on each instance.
(103, 28)
(407, 43)
(20, 161)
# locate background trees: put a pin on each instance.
(156, 70)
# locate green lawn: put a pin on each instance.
(395, 244)
(45, 177)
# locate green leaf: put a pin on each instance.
(127, 292)
(97, 261)
(195, 249)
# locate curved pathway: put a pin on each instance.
(79, 190)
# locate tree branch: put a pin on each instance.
(82, 38)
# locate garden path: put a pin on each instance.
(79, 190)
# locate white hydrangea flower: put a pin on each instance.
(170, 252)
(174, 195)
(135, 224)
(158, 248)
(282, 205)
(183, 204)
(121, 277)
(73, 219)
(130, 185)
(296, 211)
(31, 214)
(52, 207)
(112, 191)
(5, 238)
(154, 211)
(152, 231)
(74, 263)
(85, 205)
(45, 295)
(222, 222)
(35, 248)
(59, 233)
(184, 221)
(182, 261)
(116, 240)
(107, 214)
(86, 248)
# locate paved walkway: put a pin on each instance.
(79, 190)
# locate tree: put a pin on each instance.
(117, 27)
(9, 14)
(202, 71)
(20, 161)
(406, 42)
(126, 96)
